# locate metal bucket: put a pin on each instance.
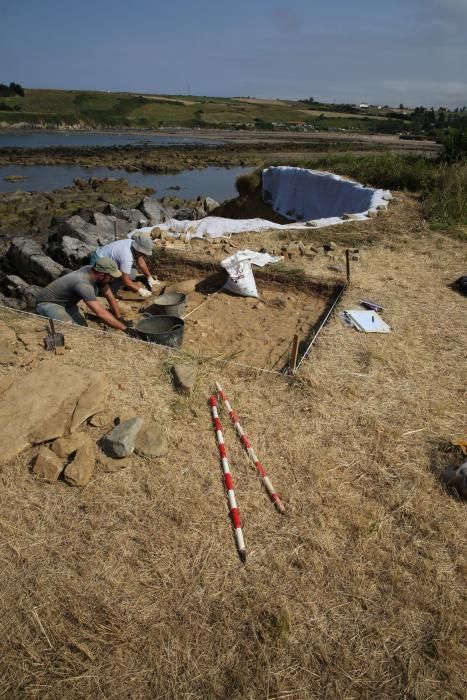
(164, 330)
(172, 304)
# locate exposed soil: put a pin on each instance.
(257, 332)
(132, 588)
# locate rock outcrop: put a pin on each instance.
(27, 258)
(46, 403)
(26, 266)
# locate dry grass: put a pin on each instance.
(131, 587)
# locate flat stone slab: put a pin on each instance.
(5, 382)
(102, 420)
(47, 402)
(7, 334)
(7, 356)
(151, 441)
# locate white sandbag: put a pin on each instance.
(241, 279)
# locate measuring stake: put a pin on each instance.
(251, 453)
(294, 354)
(234, 512)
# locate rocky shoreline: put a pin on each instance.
(237, 150)
(45, 235)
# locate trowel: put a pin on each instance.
(53, 340)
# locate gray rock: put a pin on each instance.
(134, 216)
(92, 235)
(209, 204)
(120, 442)
(12, 285)
(151, 441)
(15, 287)
(30, 294)
(106, 224)
(71, 252)
(457, 479)
(31, 263)
(184, 377)
(186, 214)
(154, 211)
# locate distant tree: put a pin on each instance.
(16, 87)
(455, 145)
(11, 90)
(401, 106)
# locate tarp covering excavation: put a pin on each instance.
(306, 197)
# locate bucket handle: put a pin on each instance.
(170, 330)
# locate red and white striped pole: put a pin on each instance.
(234, 512)
(251, 453)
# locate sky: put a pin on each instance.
(412, 52)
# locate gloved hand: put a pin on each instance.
(143, 292)
(131, 332)
(152, 282)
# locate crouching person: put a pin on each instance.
(59, 300)
(130, 255)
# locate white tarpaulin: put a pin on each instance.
(311, 197)
(304, 195)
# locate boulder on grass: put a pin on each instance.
(184, 377)
(120, 442)
(151, 441)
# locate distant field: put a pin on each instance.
(90, 109)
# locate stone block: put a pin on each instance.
(81, 469)
(47, 466)
(120, 442)
(184, 377)
(151, 441)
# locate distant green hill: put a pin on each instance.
(89, 109)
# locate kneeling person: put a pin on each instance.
(59, 300)
(129, 253)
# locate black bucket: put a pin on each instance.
(164, 330)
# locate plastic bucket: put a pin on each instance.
(172, 304)
(163, 330)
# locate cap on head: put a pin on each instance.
(142, 243)
(107, 266)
